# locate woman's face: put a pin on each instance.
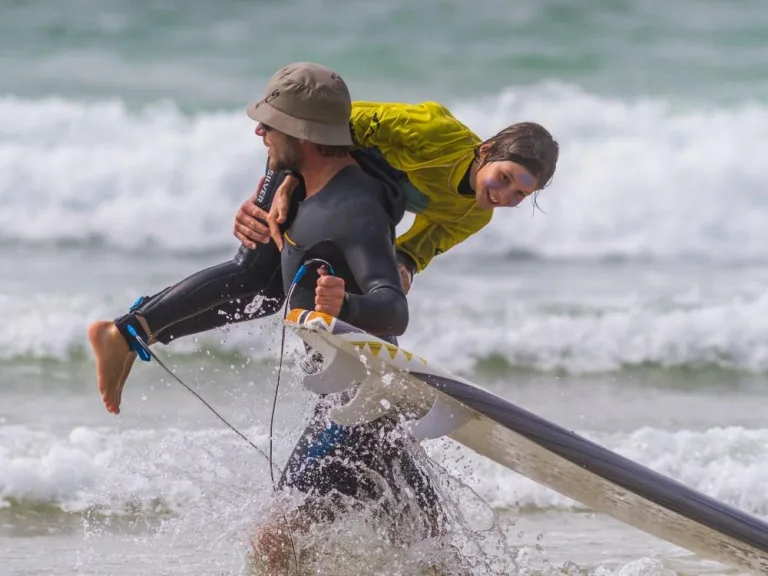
(503, 183)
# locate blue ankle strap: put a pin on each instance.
(136, 304)
(136, 346)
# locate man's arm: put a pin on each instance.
(382, 307)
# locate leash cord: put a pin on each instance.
(299, 274)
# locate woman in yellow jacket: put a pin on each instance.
(452, 179)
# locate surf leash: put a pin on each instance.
(297, 277)
(149, 352)
(145, 353)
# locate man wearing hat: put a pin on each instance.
(345, 217)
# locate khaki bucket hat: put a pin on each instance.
(307, 101)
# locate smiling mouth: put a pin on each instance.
(492, 199)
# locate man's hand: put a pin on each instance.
(405, 278)
(329, 293)
(249, 230)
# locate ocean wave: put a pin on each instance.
(487, 336)
(635, 179)
(163, 472)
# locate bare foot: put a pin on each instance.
(129, 360)
(111, 351)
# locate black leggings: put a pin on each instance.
(217, 296)
(222, 294)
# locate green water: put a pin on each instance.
(219, 53)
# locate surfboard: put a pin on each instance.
(438, 403)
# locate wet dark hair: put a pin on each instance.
(526, 143)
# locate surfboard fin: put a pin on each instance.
(443, 418)
(377, 396)
(339, 372)
(373, 399)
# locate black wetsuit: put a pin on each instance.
(350, 224)
(224, 294)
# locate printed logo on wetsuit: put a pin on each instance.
(263, 192)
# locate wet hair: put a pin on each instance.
(526, 143)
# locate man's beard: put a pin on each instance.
(289, 159)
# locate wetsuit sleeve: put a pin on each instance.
(426, 239)
(382, 308)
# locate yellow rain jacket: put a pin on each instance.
(430, 151)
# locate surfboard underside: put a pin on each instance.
(528, 444)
